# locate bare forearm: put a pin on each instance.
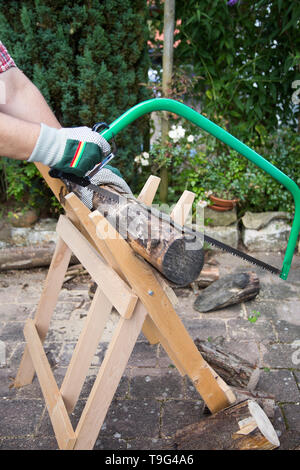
(21, 114)
(17, 137)
(24, 100)
(30, 131)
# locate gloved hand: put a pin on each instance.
(108, 176)
(72, 150)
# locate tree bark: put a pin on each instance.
(242, 426)
(169, 23)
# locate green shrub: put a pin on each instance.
(256, 190)
(88, 58)
(202, 166)
(248, 57)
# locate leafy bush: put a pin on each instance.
(88, 59)
(197, 162)
(248, 56)
(24, 187)
(256, 190)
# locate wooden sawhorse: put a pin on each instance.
(144, 302)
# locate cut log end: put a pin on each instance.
(264, 425)
(182, 265)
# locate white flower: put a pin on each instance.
(173, 135)
(180, 131)
(144, 162)
(142, 159)
(176, 133)
(190, 138)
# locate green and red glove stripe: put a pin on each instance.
(78, 154)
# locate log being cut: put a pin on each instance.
(174, 251)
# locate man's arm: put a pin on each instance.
(23, 100)
(21, 114)
(17, 137)
(30, 131)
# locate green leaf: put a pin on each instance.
(209, 94)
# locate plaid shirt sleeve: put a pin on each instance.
(6, 62)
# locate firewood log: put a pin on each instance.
(242, 426)
(26, 257)
(178, 255)
(229, 290)
(232, 368)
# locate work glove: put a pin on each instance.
(108, 176)
(73, 150)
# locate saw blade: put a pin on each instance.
(241, 254)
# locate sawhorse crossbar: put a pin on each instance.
(144, 302)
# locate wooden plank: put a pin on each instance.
(115, 289)
(85, 349)
(181, 211)
(109, 376)
(61, 423)
(149, 190)
(149, 329)
(46, 306)
(146, 196)
(55, 184)
(79, 215)
(148, 289)
(84, 223)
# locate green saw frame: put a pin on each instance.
(173, 106)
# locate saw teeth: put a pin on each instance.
(244, 256)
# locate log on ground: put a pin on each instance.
(27, 257)
(229, 290)
(230, 367)
(242, 426)
(265, 399)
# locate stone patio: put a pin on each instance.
(153, 401)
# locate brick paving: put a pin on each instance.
(152, 401)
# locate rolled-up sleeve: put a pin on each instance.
(6, 61)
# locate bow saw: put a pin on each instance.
(173, 106)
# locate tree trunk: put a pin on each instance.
(169, 21)
(242, 426)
